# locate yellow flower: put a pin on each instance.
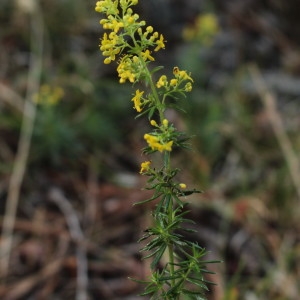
(108, 47)
(137, 100)
(204, 29)
(115, 25)
(107, 60)
(207, 24)
(173, 82)
(145, 166)
(162, 81)
(152, 141)
(155, 144)
(160, 43)
(165, 122)
(153, 123)
(181, 75)
(107, 6)
(100, 6)
(48, 95)
(154, 36)
(126, 69)
(146, 56)
(149, 29)
(168, 146)
(182, 185)
(188, 87)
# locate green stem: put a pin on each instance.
(159, 105)
(170, 219)
(166, 157)
(171, 251)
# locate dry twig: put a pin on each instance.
(10, 97)
(275, 119)
(34, 75)
(76, 233)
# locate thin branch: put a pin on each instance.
(34, 76)
(76, 233)
(269, 101)
(12, 98)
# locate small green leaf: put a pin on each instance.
(158, 256)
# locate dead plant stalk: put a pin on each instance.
(29, 113)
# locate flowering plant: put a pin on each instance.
(132, 43)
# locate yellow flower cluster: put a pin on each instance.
(48, 95)
(161, 139)
(126, 35)
(155, 143)
(109, 46)
(204, 29)
(180, 77)
(123, 27)
(128, 68)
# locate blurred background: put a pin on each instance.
(70, 148)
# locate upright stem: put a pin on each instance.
(170, 219)
(166, 159)
(158, 103)
(167, 166)
(171, 249)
